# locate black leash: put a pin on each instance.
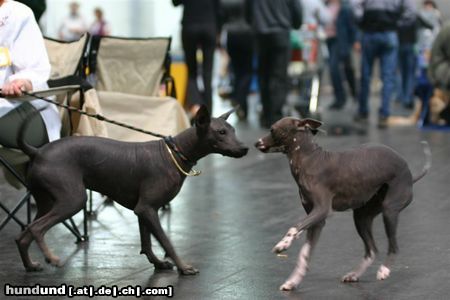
(95, 116)
(168, 140)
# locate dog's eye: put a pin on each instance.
(222, 132)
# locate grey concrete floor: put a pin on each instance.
(226, 221)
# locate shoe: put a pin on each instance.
(382, 122)
(361, 118)
(336, 106)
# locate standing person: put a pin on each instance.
(272, 22)
(201, 26)
(100, 27)
(74, 26)
(341, 35)
(315, 12)
(240, 48)
(379, 20)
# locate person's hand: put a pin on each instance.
(357, 47)
(16, 87)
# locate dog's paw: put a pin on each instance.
(383, 272)
(163, 265)
(34, 267)
(54, 261)
(350, 277)
(188, 270)
(279, 248)
(287, 286)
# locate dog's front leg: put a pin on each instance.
(150, 216)
(301, 267)
(146, 248)
(317, 215)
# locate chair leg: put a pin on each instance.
(11, 213)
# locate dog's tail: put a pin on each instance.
(427, 166)
(23, 145)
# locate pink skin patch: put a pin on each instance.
(383, 272)
(300, 269)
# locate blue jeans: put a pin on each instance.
(407, 70)
(382, 45)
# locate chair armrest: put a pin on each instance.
(55, 91)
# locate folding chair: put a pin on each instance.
(128, 74)
(67, 61)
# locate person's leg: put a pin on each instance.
(36, 133)
(278, 77)
(263, 77)
(368, 56)
(409, 76)
(388, 65)
(190, 42)
(335, 74)
(208, 46)
(240, 49)
(350, 75)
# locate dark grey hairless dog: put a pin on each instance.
(140, 176)
(370, 179)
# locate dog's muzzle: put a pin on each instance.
(261, 146)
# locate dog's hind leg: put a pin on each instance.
(25, 238)
(363, 218)
(67, 204)
(146, 248)
(301, 267)
(397, 198)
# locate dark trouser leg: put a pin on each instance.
(208, 45)
(388, 63)
(10, 124)
(190, 43)
(350, 75)
(263, 77)
(368, 56)
(240, 49)
(407, 66)
(335, 72)
(277, 86)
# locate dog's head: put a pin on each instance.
(217, 135)
(285, 132)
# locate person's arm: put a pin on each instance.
(177, 2)
(409, 13)
(358, 9)
(34, 65)
(323, 15)
(297, 15)
(439, 68)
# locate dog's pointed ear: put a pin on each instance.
(228, 113)
(202, 118)
(311, 124)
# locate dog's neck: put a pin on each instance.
(189, 145)
(301, 147)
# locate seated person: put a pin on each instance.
(439, 73)
(24, 66)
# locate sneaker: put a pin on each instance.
(382, 122)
